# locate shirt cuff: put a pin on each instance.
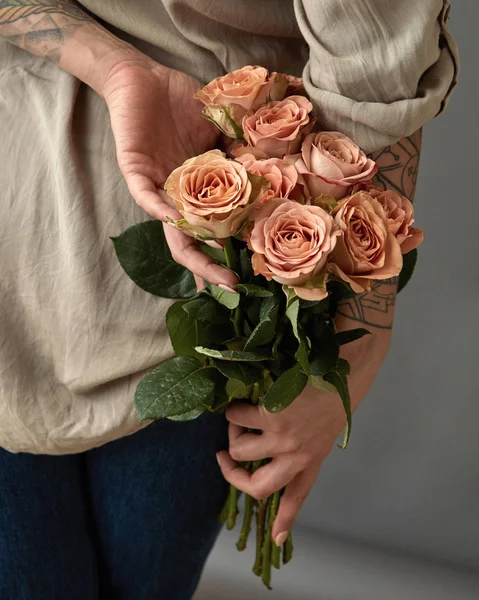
(378, 69)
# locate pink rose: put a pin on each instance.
(228, 98)
(278, 127)
(282, 177)
(213, 194)
(291, 243)
(367, 249)
(331, 163)
(400, 215)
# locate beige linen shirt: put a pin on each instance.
(76, 335)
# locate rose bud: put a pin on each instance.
(278, 127)
(331, 163)
(228, 98)
(213, 194)
(400, 215)
(367, 250)
(291, 243)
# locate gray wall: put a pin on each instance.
(409, 480)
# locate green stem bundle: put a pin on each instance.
(268, 555)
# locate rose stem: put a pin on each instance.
(232, 507)
(249, 506)
(224, 512)
(249, 503)
(267, 543)
(275, 550)
(260, 523)
(288, 549)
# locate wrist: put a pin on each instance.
(93, 54)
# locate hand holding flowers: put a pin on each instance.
(292, 214)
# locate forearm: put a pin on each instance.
(374, 310)
(67, 35)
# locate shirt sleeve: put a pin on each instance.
(378, 70)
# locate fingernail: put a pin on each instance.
(227, 289)
(214, 244)
(281, 538)
(218, 458)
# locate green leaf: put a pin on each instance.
(225, 298)
(320, 384)
(325, 351)
(144, 255)
(217, 254)
(183, 331)
(351, 335)
(250, 289)
(234, 355)
(285, 389)
(343, 368)
(189, 329)
(340, 382)
(203, 308)
(247, 373)
(289, 293)
(232, 258)
(408, 266)
(302, 354)
(237, 389)
(189, 416)
(261, 335)
(234, 126)
(314, 307)
(269, 307)
(245, 264)
(175, 387)
(326, 202)
(292, 313)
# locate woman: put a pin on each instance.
(96, 110)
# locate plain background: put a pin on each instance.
(409, 481)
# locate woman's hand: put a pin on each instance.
(157, 126)
(299, 438)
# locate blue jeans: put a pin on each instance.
(132, 520)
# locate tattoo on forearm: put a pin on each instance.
(40, 26)
(399, 165)
(374, 308)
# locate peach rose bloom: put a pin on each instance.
(400, 214)
(228, 98)
(278, 127)
(213, 194)
(282, 177)
(367, 250)
(248, 87)
(291, 243)
(331, 163)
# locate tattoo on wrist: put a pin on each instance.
(40, 26)
(399, 165)
(374, 308)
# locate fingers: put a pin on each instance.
(185, 251)
(149, 198)
(291, 502)
(247, 415)
(245, 446)
(266, 480)
(184, 248)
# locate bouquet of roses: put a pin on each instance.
(290, 209)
